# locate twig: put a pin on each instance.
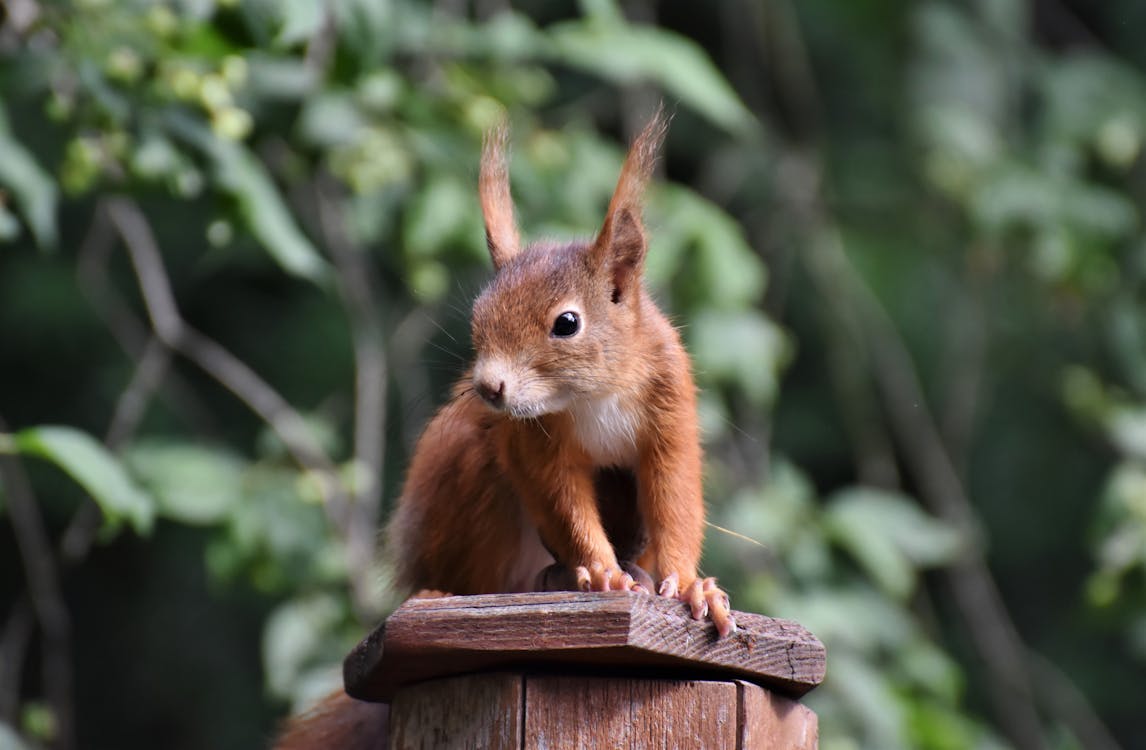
(918, 438)
(795, 79)
(974, 589)
(82, 530)
(872, 449)
(46, 598)
(132, 404)
(150, 371)
(130, 333)
(965, 358)
(364, 317)
(320, 48)
(1064, 700)
(13, 648)
(216, 361)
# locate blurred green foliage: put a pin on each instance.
(903, 240)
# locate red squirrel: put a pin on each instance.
(579, 414)
(569, 456)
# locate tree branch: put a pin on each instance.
(130, 333)
(940, 487)
(14, 644)
(46, 598)
(228, 370)
(1064, 700)
(364, 317)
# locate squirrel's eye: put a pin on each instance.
(566, 324)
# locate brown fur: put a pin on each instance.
(339, 722)
(496, 203)
(482, 478)
(604, 419)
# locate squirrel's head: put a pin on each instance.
(557, 322)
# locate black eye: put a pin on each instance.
(566, 324)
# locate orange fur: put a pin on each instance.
(579, 449)
(484, 480)
(340, 722)
(496, 203)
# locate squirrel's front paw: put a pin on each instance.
(597, 577)
(704, 598)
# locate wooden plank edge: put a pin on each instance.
(373, 672)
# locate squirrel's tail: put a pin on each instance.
(339, 721)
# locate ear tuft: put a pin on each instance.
(501, 235)
(620, 245)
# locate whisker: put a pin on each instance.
(736, 534)
(442, 328)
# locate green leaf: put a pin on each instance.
(279, 78)
(1099, 209)
(602, 11)
(9, 225)
(890, 536)
(442, 213)
(10, 740)
(300, 20)
(193, 484)
(1084, 92)
(95, 469)
(631, 54)
(1019, 196)
(297, 635)
(243, 176)
(781, 517)
(1126, 426)
(34, 189)
(868, 690)
(743, 348)
(331, 118)
(284, 23)
(852, 618)
(928, 667)
(725, 267)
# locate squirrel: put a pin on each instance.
(569, 455)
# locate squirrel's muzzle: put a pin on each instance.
(492, 393)
(493, 381)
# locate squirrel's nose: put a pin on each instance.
(494, 395)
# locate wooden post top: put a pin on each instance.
(613, 632)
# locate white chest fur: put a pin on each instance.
(607, 430)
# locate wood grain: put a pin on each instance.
(569, 713)
(768, 721)
(563, 712)
(427, 638)
(483, 712)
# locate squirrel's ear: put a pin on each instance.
(496, 203)
(620, 246)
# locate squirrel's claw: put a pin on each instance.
(705, 600)
(719, 609)
(599, 578)
(694, 595)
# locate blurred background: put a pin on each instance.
(903, 240)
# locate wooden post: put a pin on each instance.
(573, 670)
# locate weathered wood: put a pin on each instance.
(561, 712)
(482, 712)
(570, 713)
(427, 638)
(772, 721)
